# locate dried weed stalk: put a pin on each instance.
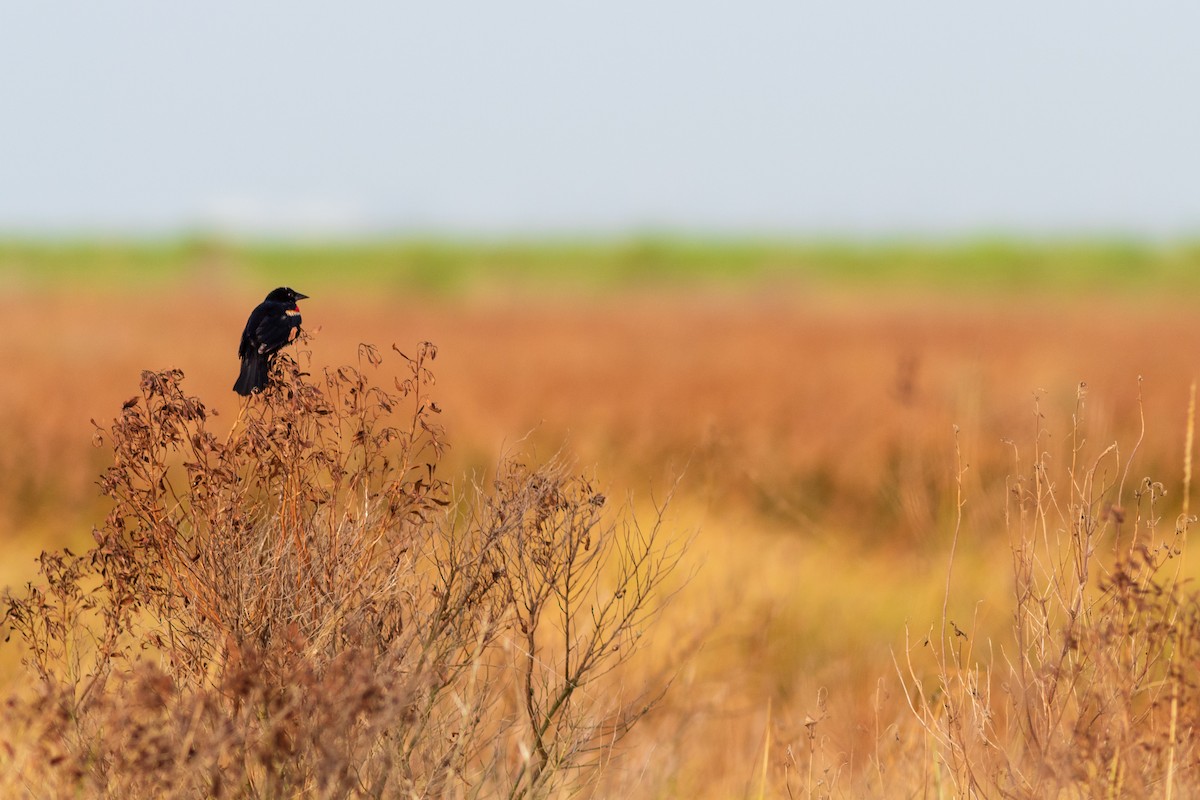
(304, 608)
(1097, 694)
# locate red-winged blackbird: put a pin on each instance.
(272, 324)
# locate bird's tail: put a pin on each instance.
(253, 377)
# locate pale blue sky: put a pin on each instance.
(860, 118)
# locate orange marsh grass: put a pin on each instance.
(818, 441)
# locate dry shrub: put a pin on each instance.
(304, 608)
(1097, 691)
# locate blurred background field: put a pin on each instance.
(814, 401)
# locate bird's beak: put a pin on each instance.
(301, 296)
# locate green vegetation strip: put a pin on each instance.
(449, 267)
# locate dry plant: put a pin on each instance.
(1097, 693)
(305, 608)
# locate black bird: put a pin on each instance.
(274, 323)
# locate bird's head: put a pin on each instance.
(285, 295)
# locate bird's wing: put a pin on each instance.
(274, 330)
(246, 345)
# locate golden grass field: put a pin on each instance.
(820, 436)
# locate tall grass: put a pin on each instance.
(1095, 691)
(305, 607)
